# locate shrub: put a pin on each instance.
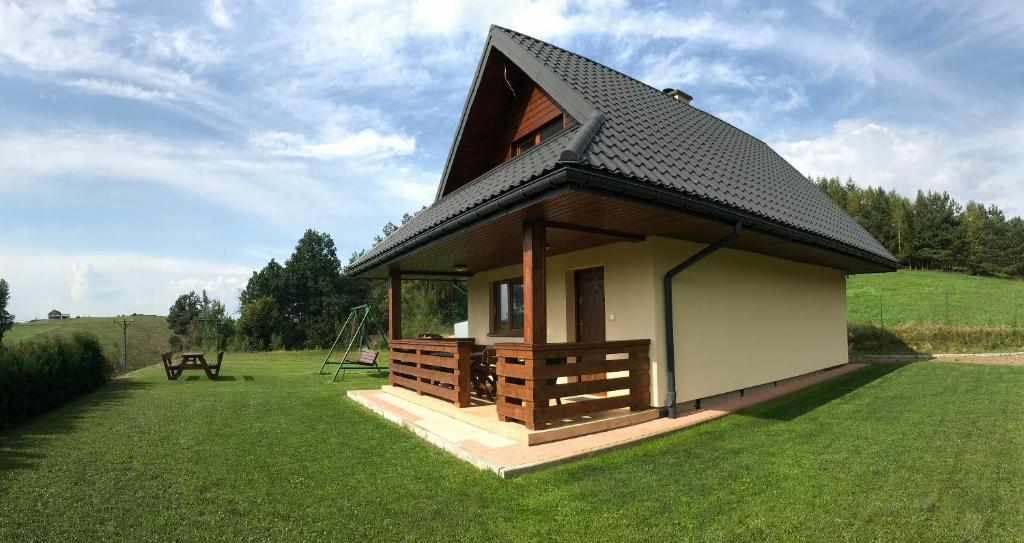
(38, 375)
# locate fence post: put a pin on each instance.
(1015, 301)
(881, 312)
(947, 306)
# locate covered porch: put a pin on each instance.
(541, 386)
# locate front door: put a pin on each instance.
(590, 310)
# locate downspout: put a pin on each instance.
(670, 346)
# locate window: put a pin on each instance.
(507, 307)
(537, 136)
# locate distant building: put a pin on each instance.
(56, 315)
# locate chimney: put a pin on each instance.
(678, 95)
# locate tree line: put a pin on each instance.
(934, 231)
(302, 302)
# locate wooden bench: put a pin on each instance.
(171, 368)
(367, 359)
(191, 361)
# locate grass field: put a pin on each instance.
(924, 452)
(921, 297)
(147, 337)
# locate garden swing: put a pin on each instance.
(354, 331)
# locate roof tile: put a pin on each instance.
(653, 138)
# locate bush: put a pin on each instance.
(38, 375)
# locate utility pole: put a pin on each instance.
(124, 322)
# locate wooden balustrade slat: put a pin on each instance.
(426, 361)
(529, 373)
(427, 388)
(554, 371)
(450, 378)
(562, 390)
(575, 409)
(431, 360)
(522, 413)
(566, 352)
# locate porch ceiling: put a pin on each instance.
(499, 241)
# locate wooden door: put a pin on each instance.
(590, 310)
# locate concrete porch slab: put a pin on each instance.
(485, 416)
(508, 457)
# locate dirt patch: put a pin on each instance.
(1011, 359)
(999, 359)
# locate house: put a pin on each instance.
(56, 315)
(623, 249)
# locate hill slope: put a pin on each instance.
(147, 337)
(921, 297)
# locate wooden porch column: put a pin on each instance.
(394, 305)
(535, 310)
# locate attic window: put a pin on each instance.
(537, 136)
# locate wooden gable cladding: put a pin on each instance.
(535, 110)
(505, 106)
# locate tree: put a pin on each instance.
(6, 318)
(186, 309)
(977, 231)
(937, 235)
(312, 277)
(260, 321)
(266, 283)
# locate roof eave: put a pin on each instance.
(581, 178)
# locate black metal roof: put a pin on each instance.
(634, 131)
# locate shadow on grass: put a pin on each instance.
(798, 403)
(870, 343)
(24, 445)
(360, 372)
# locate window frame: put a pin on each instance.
(496, 329)
(533, 138)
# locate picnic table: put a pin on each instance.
(192, 360)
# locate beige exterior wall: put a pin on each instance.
(741, 319)
(629, 293)
(744, 319)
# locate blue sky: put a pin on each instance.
(149, 148)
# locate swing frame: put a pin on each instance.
(359, 338)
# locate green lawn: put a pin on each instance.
(921, 297)
(924, 452)
(147, 336)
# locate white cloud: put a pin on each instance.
(280, 191)
(831, 8)
(243, 183)
(87, 284)
(120, 89)
(796, 99)
(681, 67)
(364, 144)
(219, 15)
(34, 34)
(225, 288)
(983, 167)
(405, 44)
(415, 188)
(111, 283)
(189, 45)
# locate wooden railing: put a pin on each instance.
(529, 375)
(437, 367)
